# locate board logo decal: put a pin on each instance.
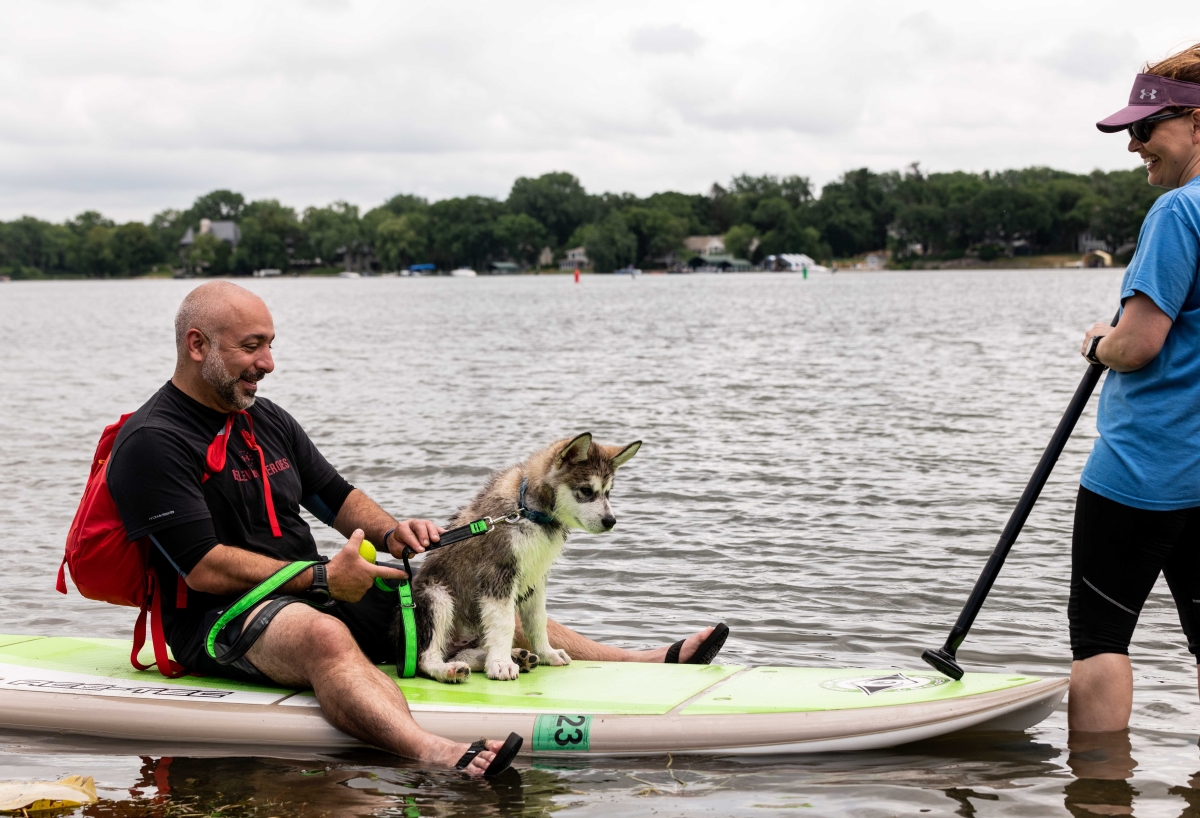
(94, 687)
(49, 680)
(891, 683)
(555, 733)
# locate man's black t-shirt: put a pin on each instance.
(156, 477)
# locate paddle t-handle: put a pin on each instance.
(945, 658)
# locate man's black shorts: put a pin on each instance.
(369, 620)
(1117, 552)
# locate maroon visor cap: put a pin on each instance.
(1150, 95)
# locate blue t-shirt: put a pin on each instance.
(1148, 452)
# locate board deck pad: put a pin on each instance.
(71, 664)
(609, 688)
(592, 687)
(801, 689)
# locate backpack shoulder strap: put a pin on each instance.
(152, 607)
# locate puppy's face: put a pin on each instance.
(583, 478)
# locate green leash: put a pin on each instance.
(406, 667)
(408, 622)
(252, 597)
(406, 655)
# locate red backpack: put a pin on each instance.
(106, 565)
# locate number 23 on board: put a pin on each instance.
(562, 732)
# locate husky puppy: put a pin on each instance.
(471, 592)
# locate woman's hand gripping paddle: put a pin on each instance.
(944, 659)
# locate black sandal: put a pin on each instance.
(707, 651)
(502, 761)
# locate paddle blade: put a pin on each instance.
(943, 663)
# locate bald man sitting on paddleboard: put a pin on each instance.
(216, 478)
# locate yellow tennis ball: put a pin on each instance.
(367, 551)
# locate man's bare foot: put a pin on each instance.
(690, 646)
(446, 753)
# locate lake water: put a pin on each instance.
(827, 465)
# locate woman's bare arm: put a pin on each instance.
(1137, 338)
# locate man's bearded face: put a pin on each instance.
(230, 387)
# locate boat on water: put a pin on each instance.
(793, 263)
(349, 274)
(629, 270)
(86, 686)
(463, 272)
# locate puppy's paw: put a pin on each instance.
(503, 670)
(553, 657)
(525, 660)
(452, 673)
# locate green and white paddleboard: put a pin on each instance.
(87, 687)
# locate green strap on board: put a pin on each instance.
(406, 664)
(408, 622)
(406, 647)
(252, 597)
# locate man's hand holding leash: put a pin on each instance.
(414, 534)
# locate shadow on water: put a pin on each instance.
(1103, 765)
(1190, 794)
(366, 784)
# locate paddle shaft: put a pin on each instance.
(1020, 514)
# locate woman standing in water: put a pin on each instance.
(1138, 510)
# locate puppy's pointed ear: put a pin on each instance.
(576, 451)
(622, 457)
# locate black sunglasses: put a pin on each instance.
(1142, 129)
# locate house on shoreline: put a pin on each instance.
(704, 245)
(575, 259)
(225, 231)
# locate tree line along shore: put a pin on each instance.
(917, 219)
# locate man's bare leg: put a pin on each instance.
(304, 648)
(578, 646)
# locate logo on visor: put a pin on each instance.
(1151, 92)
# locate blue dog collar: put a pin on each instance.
(539, 517)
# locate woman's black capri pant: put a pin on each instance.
(1117, 552)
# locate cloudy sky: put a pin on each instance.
(132, 107)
